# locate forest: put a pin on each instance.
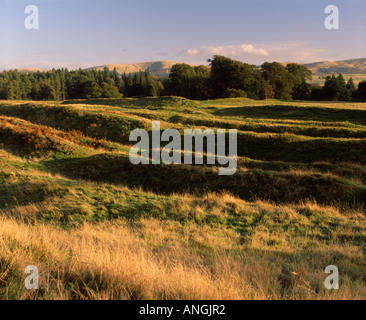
(223, 78)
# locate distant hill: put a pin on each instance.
(162, 68)
(158, 68)
(354, 66)
(30, 70)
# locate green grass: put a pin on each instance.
(287, 153)
(295, 203)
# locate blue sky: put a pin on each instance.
(86, 33)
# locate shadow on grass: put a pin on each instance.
(279, 187)
(297, 113)
(148, 102)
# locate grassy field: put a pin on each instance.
(98, 227)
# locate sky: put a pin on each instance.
(85, 33)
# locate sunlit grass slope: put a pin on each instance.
(98, 227)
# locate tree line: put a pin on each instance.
(227, 78)
(223, 78)
(62, 84)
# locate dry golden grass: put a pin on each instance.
(153, 259)
(21, 134)
(83, 258)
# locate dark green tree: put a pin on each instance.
(335, 89)
(279, 78)
(300, 75)
(230, 74)
(83, 88)
(109, 91)
(351, 85)
(43, 91)
(267, 90)
(362, 90)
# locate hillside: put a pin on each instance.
(98, 227)
(30, 70)
(162, 68)
(158, 68)
(354, 66)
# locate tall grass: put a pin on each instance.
(154, 259)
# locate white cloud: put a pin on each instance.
(259, 53)
(251, 53)
(296, 52)
(233, 50)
